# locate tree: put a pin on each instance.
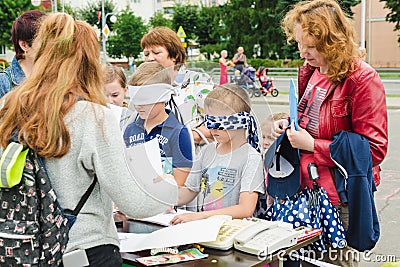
(90, 13)
(238, 29)
(346, 5)
(159, 20)
(187, 17)
(257, 22)
(394, 14)
(208, 27)
(125, 38)
(69, 10)
(9, 10)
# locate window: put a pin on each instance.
(169, 10)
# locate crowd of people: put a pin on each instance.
(207, 135)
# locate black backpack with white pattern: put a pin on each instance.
(33, 227)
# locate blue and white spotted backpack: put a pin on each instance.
(33, 227)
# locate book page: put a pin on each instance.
(175, 235)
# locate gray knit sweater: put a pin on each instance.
(97, 147)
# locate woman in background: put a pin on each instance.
(23, 31)
(223, 65)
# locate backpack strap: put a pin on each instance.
(12, 164)
(83, 200)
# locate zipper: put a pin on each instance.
(16, 236)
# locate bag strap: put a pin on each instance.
(175, 110)
(83, 200)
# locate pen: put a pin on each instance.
(176, 208)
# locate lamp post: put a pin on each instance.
(105, 35)
(103, 25)
(54, 6)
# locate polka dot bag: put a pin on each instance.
(311, 208)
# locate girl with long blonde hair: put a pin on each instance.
(60, 112)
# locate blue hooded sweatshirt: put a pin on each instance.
(355, 185)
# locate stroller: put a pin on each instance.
(247, 80)
(267, 85)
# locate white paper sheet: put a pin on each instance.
(175, 235)
(164, 218)
(144, 162)
(145, 158)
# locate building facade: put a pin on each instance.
(382, 47)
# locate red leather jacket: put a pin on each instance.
(356, 105)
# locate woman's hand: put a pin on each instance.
(187, 217)
(300, 139)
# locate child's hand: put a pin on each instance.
(187, 217)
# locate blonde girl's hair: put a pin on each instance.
(332, 28)
(150, 73)
(113, 73)
(66, 69)
(230, 95)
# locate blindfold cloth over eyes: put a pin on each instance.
(241, 120)
(150, 94)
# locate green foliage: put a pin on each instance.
(210, 49)
(69, 10)
(237, 28)
(248, 23)
(9, 10)
(89, 13)
(187, 17)
(394, 14)
(125, 39)
(279, 63)
(208, 28)
(347, 4)
(159, 20)
(207, 66)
